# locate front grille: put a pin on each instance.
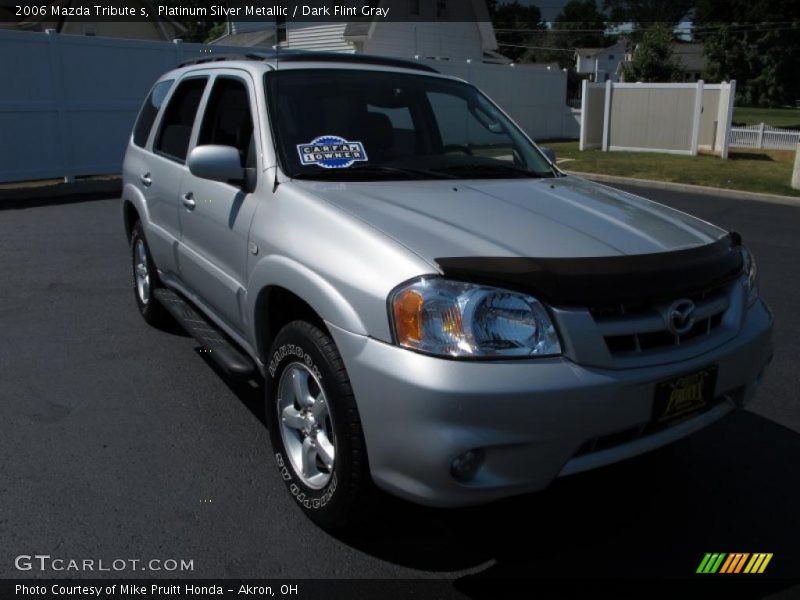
(640, 327)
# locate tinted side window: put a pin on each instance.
(228, 120)
(147, 116)
(176, 127)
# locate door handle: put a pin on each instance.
(188, 200)
(145, 179)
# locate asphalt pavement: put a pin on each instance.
(122, 441)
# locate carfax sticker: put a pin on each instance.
(331, 152)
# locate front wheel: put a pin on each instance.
(314, 426)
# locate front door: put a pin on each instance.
(215, 217)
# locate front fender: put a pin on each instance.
(281, 271)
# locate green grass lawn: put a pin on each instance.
(788, 118)
(767, 171)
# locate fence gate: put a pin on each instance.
(677, 118)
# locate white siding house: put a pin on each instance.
(600, 64)
(446, 29)
(156, 29)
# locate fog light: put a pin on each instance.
(465, 465)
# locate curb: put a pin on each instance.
(686, 187)
(28, 195)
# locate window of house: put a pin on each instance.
(610, 57)
(150, 108)
(176, 127)
(441, 8)
(413, 7)
(228, 119)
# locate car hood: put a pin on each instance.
(545, 218)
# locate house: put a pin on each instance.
(444, 29)
(600, 64)
(155, 29)
(690, 56)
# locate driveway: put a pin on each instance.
(123, 441)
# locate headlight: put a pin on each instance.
(451, 318)
(751, 276)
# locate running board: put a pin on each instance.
(219, 349)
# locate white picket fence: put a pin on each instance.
(764, 137)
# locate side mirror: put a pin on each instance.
(217, 163)
(549, 153)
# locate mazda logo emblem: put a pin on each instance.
(680, 316)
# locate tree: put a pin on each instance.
(645, 13)
(653, 59)
(514, 16)
(755, 43)
(588, 23)
(579, 25)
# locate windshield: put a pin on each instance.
(360, 125)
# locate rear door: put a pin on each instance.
(215, 217)
(165, 166)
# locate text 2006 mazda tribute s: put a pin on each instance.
(434, 307)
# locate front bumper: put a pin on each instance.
(530, 417)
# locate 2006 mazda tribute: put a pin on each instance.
(434, 306)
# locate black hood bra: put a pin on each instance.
(606, 280)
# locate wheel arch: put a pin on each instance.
(134, 207)
(129, 217)
(290, 292)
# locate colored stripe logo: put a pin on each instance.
(736, 562)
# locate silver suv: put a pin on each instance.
(435, 308)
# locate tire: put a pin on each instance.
(332, 485)
(145, 279)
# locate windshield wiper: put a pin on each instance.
(482, 170)
(372, 170)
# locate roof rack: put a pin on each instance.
(301, 55)
(208, 58)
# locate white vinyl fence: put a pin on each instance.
(535, 96)
(68, 102)
(676, 118)
(764, 137)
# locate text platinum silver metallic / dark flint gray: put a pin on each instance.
(345, 246)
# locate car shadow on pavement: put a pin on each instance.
(730, 488)
(249, 392)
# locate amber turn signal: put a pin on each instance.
(407, 309)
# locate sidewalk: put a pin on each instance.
(54, 191)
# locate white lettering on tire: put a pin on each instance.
(301, 496)
(292, 350)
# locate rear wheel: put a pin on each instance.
(314, 426)
(145, 279)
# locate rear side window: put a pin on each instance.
(176, 126)
(147, 116)
(228, 120)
